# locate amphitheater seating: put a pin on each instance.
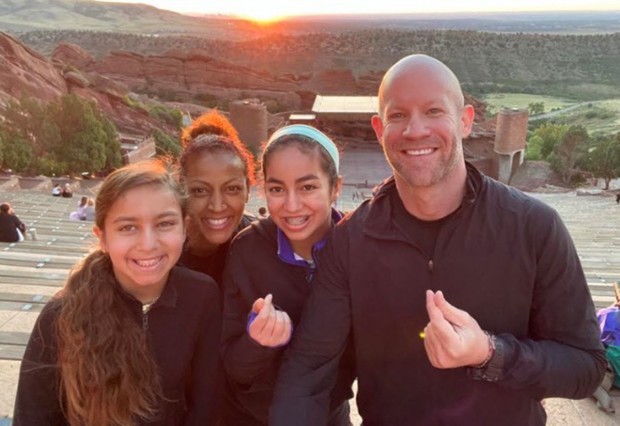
(31, 271)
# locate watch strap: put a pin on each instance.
(492, 370)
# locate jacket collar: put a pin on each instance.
(379, 223)
(167, 298)
(285, 250)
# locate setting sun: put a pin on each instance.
(262, 14)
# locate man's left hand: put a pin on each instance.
(452, 338)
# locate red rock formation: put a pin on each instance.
(24, 71)
(188, 73)
(185, 73)
(334, 82)
(72, 54)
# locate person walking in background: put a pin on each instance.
(11, 228)
(466, 298)
(131, 338)
(217, 171)
(269, 272)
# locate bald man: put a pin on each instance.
(465, 298)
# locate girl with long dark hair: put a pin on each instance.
(131, 339)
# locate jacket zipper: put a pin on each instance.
(145, 321)
(145, 316)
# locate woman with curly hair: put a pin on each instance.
(131, 339)
(218, 171)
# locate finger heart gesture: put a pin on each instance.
(270, 326)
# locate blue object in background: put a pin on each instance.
(609, 321)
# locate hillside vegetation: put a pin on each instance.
(575, 66)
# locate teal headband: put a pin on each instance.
(312, 133)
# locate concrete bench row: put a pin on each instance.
(45, 264)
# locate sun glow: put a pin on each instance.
(267, 11)
(262, 15)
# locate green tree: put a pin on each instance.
(536, 108)
(68, 135)
(17, 154)
(565, 154)
(113, 155)
(544, 139)
(87, 139)
(166, 144)
(603, 158)
(19, 135)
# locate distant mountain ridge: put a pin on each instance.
(30, 15)
(583, 66)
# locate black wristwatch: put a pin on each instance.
(491, 371)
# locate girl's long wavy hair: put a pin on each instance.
(108, 376)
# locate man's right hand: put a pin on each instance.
(271, 327)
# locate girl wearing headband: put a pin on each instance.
(270, 268)
(218, 172)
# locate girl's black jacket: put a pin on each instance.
(253, 270)
(213, 263)
(183, 329)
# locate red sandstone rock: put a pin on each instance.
(24, 71)
(72, 54)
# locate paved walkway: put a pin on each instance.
(32, 271)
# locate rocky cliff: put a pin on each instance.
(186, 76)
(195, 73)
(24, 72)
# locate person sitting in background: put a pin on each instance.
(89, 210)
(67, 192)
(79, 214)
(56, 190)
(11, 228)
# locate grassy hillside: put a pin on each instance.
(598, 117)
(497, 101)
(89, 15)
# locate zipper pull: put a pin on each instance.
(430, 265)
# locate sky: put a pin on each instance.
(267, 9)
